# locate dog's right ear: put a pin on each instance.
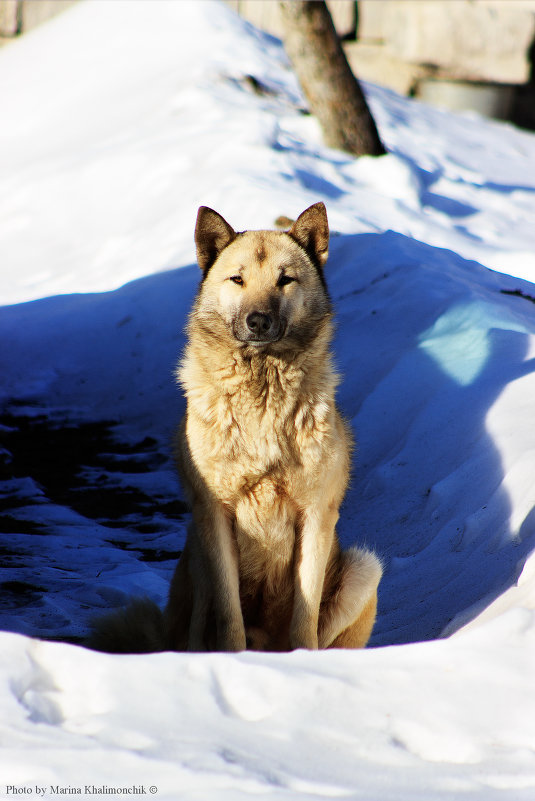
(212, 235)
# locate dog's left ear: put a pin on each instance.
(311, 231)
(212, 235)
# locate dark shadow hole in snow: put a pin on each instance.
(82, 466)
(19, 594)
(64, 483)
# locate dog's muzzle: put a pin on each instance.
(259, 328)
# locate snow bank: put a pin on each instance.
(438, 720)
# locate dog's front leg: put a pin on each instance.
(314, 540)
(214, 530)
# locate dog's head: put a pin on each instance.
(263, 287)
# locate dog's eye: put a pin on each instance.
(284, 280)
(236, 279)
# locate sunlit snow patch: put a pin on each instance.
(459, 341)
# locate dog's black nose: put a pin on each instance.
(259, 323)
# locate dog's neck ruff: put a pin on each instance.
(249, 381)
(230, 360)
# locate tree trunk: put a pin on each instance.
(332, 91)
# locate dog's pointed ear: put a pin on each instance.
(212, 235)
(311, 231)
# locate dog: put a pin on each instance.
(263, 455)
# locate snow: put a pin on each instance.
(293, 726)
(120, 119)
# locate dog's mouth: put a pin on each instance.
(257, 341)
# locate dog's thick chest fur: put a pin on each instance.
(262, 443)
(256, 422)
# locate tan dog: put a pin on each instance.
(263, 453)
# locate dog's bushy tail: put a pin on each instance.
(139, 628)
